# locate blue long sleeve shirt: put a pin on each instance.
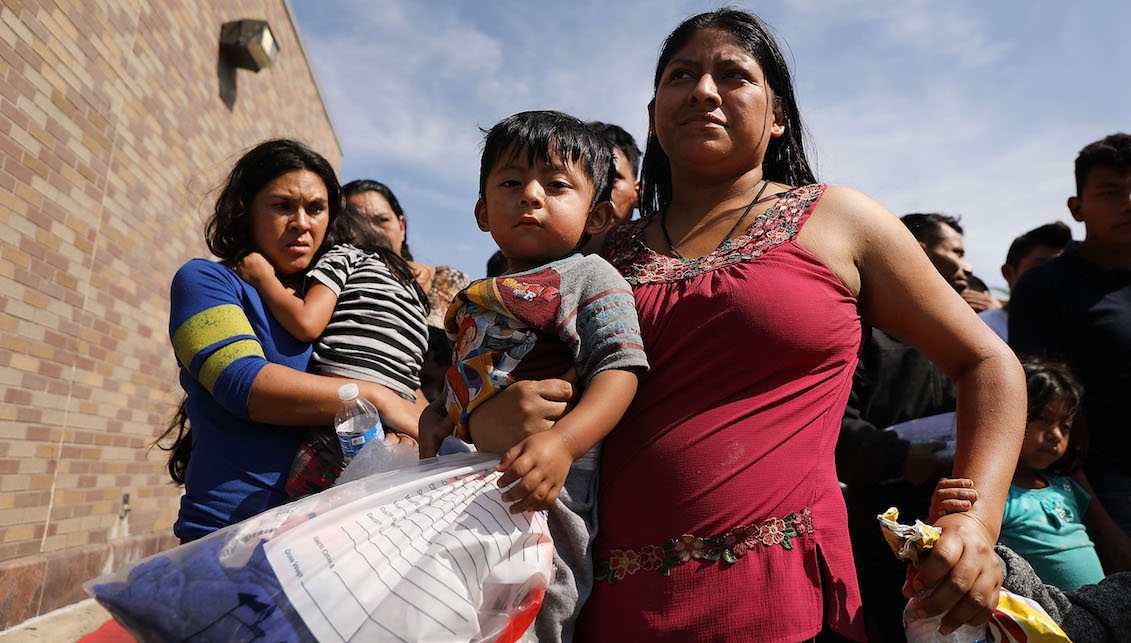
(223, 335)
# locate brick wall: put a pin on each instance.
(117, 121)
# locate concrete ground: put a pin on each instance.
(66, 624)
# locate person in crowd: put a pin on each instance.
(1030, 249)
(977, 285)
(376, 202)
(497, 264)
(365, 311)
(1049, 505)
(941, 237)
(978, 295)
(626, 163)
(544, 189)
(1076, 308)
(247, 392)
(721, 515)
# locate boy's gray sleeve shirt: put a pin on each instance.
(598, 318)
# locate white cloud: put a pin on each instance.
(938, 29)
(922, 105)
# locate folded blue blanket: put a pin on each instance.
(195, 598)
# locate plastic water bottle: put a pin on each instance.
(356, 422)
(926, 630)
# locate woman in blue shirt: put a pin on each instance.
(246, 390)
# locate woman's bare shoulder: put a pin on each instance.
(856, 220)
(851, 207)
(844, 224)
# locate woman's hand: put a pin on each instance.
(964, 572)
(521, 410)
(254, 269)
(435, 425)
(392, 437)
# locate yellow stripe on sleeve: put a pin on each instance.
(208, 327)
(218, 361)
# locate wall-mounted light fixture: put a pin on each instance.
(248, 44)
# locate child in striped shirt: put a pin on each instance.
(365, 312)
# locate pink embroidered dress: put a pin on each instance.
(720, 513)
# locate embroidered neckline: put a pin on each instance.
(728, 548)
(639, 264)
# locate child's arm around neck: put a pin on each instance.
(305, 318)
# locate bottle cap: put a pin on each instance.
(348, 392)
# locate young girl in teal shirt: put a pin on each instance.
(1044, 513)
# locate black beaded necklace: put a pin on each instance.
(667, 237)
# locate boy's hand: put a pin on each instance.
(254, 269)
(542, 461)
(952, 495)
(434, 427)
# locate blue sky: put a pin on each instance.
(965, 107)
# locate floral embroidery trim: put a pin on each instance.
(729, 547)
(639, 264)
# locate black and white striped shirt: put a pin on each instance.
(377, 332)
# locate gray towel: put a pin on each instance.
(573, 526)
(1100, 612)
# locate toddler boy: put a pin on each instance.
(543, 192)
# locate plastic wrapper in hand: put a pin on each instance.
(1016, 619)
(427, 552)
(909, 542)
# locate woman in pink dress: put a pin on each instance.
(720, 513)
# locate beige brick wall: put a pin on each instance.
(114, 130)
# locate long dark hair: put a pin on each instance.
(785, 160)
(361, 186)
(1046, 382)
(228, 235)
(353, 228)
(228, 230)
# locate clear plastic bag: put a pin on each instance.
(426, 552)
(926, 630)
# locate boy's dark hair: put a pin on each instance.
(353, 228)
(623, 142)
(1052, 235)
(785, 161)
(1112, 151)
(361, 186)
(1045, 382)
(973, 282)
(925, 226)
(497, 264)
(547, 134)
